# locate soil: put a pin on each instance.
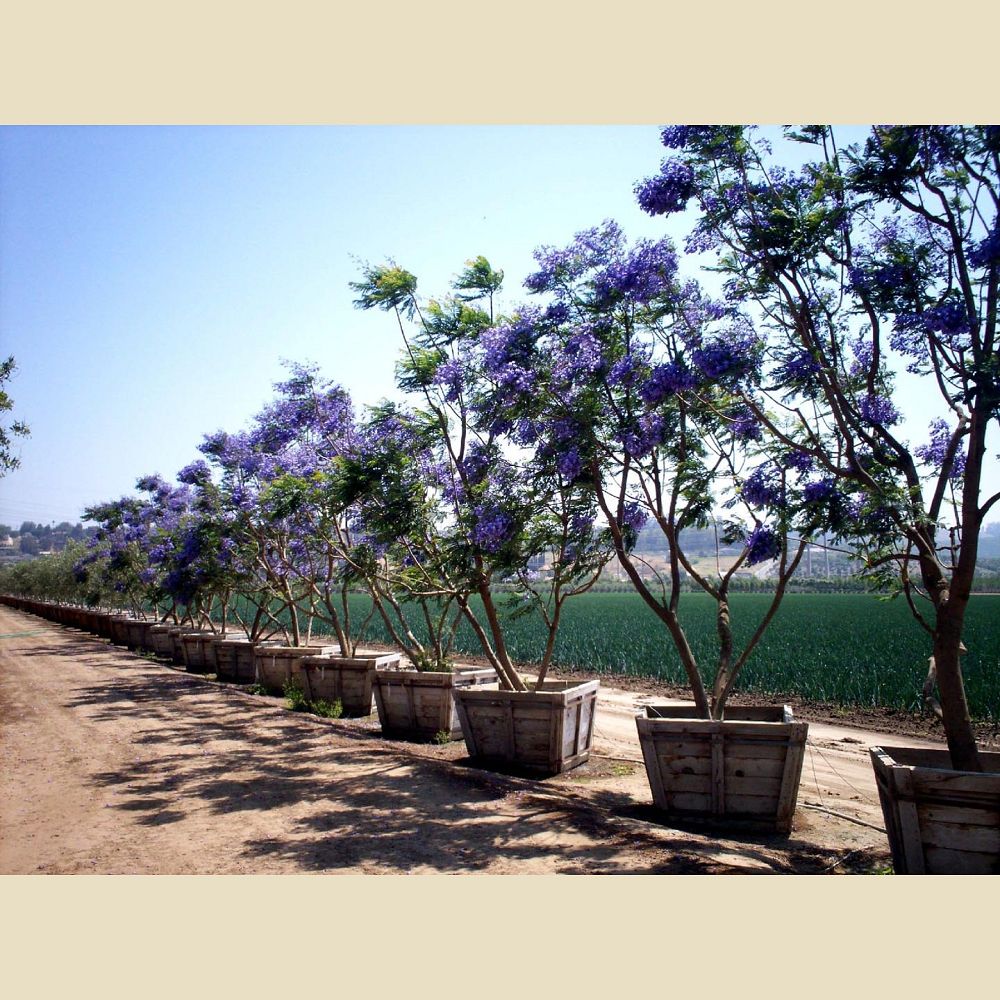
(117, 763)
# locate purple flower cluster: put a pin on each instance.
(883, 279)
(986, 253)
(869, 516)
(878, 410)
(476, 464)
(197, 473)
(507, 352)
(493, 528)
(798, 461)
(570, 463)
(561, 439)
(580, 356)
(728, 356)
(679, 136)
(667, 380)
(820, 491)
(764, 488)
(628, 370)
(556, 314)
(644, 435)
(935, 451)
(948, 321)
(745, 426)
(799, 366)
(153, 484)
(634, 517)
(763, 544)
(450, 375)
(589, 250)
(640, 274)
(669, 191)
(863, 351)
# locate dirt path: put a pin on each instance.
(113, 764)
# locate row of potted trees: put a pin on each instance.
(534, 445)
(411, 704)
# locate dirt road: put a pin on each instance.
(113, 763)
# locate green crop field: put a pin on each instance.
(851, 649)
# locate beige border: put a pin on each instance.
(513, 62)
(129, 937)
(523, 61)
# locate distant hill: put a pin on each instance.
(819, 562)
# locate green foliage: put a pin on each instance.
(386, 287)
(415, 369)
(295, 696)
(451, 320)
(327, 709)
(441, 737)
(849, 649)
(427, 663)
(8, 460)
(477, 280)
(256, 689)
(298, 702)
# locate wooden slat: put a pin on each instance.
(749, 775)
(961, 836)
(791, 776)
(945, 785)
(750, 805)
(718, 776)
(411, 712)
(959, 815)
(536, 728)
(962, 862)
(685, 765)
(648, 746)
(685, 802)
(909, 821)
(509, 721)
(771, 751)
(467, 730)
(733, 730)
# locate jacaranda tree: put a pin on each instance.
(128, 558)
(498, 510)
(865, 267)
(627, 383)
(271, 478)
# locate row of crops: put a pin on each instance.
(849, 649)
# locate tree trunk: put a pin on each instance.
(954, 706)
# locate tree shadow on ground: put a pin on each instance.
(304, 794)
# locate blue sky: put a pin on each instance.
(151, 279)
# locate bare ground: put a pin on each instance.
(113, 763)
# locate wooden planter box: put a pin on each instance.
(229, 665)
(177, 634)
(745, 768)
(420, 705)
(548, 731)
(102, 624)
(137, 632)
(246, 660)
(197, 651)
(161, 641)
(347, 679)
(939, 821)
(92, 621)
(275, 666)
(117, 629)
